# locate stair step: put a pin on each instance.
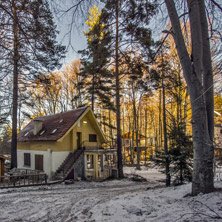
(68, 164)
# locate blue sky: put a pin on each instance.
(78, 42)
(63, 20)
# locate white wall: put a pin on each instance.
(51, 160)
(57, 159)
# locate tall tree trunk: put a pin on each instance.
(15, 90)
(123, 119)
(93, 92)
(130, 147)
(207, 71)
(160, 121)
(202, 143)
(124, 145)
(131, 142)
(146, 135)
(19, 113)
(180, 95)
(135, 126)
(104, 120)
(167, 163)
(118, 116)
(185, 110)
(137, 143)
(111, 130)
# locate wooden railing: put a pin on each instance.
(91, 145)
(21, 171)
(23, 180)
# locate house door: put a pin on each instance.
(39, 162)
(78, 140)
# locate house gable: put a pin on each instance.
(88, 123)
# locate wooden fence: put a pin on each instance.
(23, 180)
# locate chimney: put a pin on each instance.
(37, 126)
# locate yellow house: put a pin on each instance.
(67, 145)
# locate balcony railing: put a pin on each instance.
(88, 145)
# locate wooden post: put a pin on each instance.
(95, 166)
(45, 179)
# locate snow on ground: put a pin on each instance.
(163, 204)
(113, 200)
(150, 174)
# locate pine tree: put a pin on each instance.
(95, 77)
(127, 22)
(180, 153)
(29, 47)
(177, 155)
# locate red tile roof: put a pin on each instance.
(61, 122)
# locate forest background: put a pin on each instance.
(153, 95)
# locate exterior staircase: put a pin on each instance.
(68, 164)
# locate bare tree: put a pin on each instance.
(198, 74)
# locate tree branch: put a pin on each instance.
(217, 4)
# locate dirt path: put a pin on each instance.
(61, 202)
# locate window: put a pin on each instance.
(53, 131)
(27, 159)
(89, 161)
(100, 162)
(42, 132)
(92, 138)
(39, 162)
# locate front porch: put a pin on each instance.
(99, 164)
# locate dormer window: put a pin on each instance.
(42, 132)
(53, 131)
